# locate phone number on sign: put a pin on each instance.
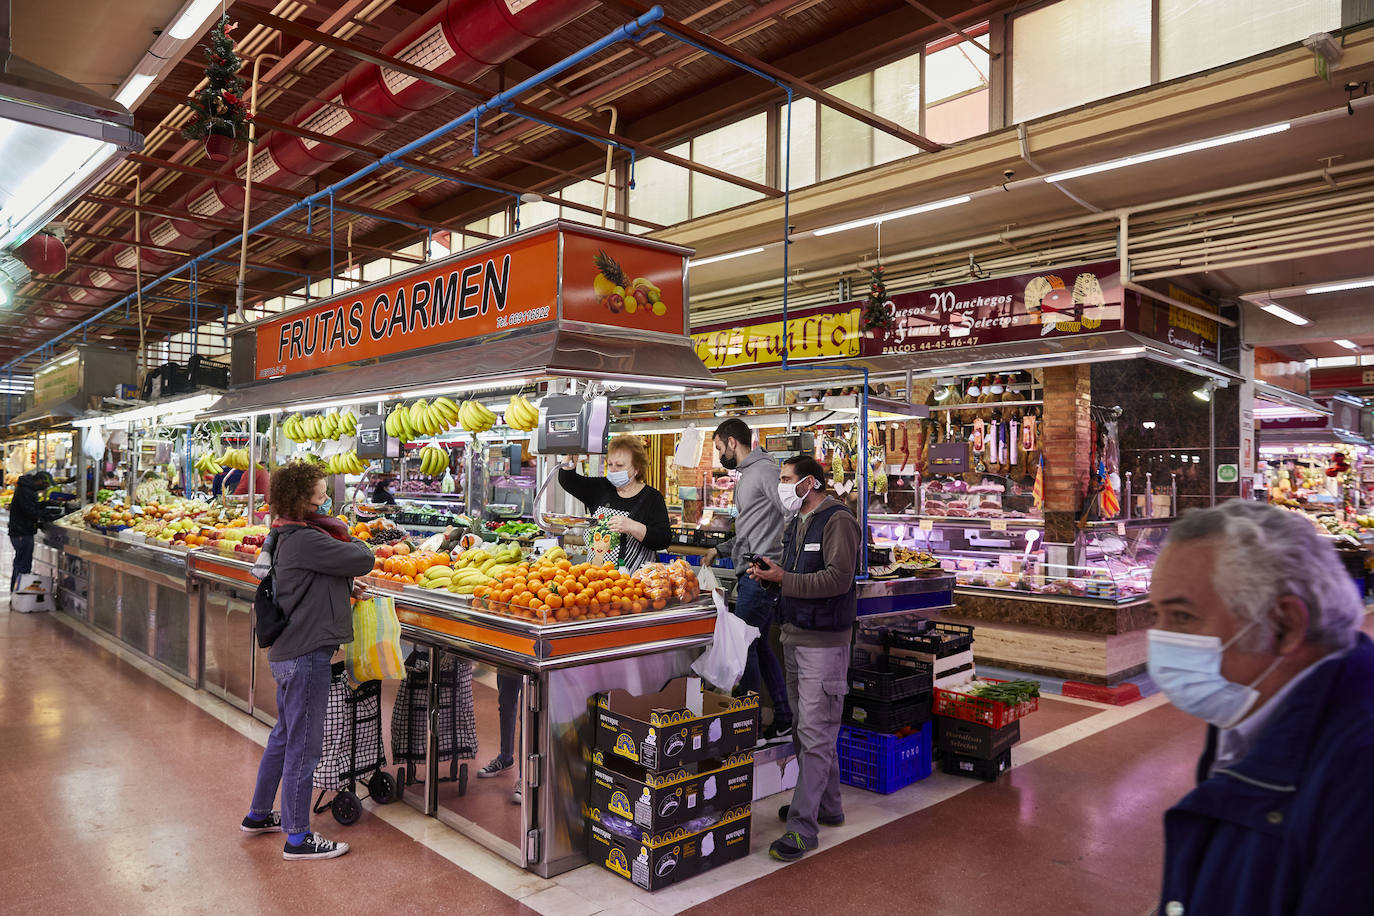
(941, 344)
(525, 317)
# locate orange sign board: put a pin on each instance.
(620, 283)
(607, 279)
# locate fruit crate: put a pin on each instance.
(889, 718)
(979, 710)
(888, 679)
(975, 767)
(883, 763)
(935, 637)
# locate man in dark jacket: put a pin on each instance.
(1258, 635)
(25, 516)
(820, 552)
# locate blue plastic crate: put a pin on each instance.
(883, 763)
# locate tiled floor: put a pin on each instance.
(123, 790)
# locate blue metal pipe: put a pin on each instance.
(630, 31)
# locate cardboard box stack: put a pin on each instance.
(671, 782)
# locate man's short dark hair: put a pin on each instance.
(736, 428)
(806, 466)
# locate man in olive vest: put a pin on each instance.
(820, 553)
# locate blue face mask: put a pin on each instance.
(1187, 668)
(325, 506)
(618, 479)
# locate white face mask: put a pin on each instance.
(787, 493)
(618, 479)
(1187, 668)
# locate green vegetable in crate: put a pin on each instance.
(1011, 693)
(518, 529)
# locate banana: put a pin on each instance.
(418, 419)
(450, 409)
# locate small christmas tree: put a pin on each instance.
(219, 107)
(877, 314)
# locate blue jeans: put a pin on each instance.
(297, 740)
(758, 607)
(23, 557)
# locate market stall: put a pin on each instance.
(1043, 474)
(460, 386)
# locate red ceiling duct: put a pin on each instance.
(458, 39)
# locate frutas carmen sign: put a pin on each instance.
(606, 279)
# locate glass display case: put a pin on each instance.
(1113, 560)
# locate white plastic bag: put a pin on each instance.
(707, 580)
(688, 451)
(722, 664)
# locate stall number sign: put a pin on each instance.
(1227, 473)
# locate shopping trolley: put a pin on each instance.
(353, 750)
(455, 719)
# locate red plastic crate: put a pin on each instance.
(979, 710)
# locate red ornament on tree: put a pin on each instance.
(219, 147)
(43, 253)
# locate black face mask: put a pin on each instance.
(729, 461)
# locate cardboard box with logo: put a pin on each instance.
(659, 802)
(654, 861)
(681, 724)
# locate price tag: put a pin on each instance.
(927, 524)
(999, 524)
(1121, 528)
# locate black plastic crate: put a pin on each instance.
(938, 638)
(206, 373)
(888, 718)
(974, 768)
(888, 679)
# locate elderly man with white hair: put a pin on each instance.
(1258, 634)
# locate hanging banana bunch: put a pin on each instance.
(521, 414)
(433, 461)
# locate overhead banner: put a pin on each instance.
(607, 279)
(828, 332)
(1056, 303)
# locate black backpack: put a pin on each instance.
(268, 614)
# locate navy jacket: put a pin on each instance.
(1289, 828)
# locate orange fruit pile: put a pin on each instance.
(408, 567)
(558, 591)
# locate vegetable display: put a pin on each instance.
(517, 530)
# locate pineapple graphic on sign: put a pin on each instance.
(619, 293)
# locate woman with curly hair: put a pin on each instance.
(314, 560)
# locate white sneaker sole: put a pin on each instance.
(332, 854)
(259, 829)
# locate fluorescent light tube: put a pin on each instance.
(1166, 153)
(694, 262)
(1280, 312)
(133, 88)
(195, 16)
(1348, 344)
(1338, 287)
(895, 214)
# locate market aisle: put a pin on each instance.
(1078, 830)
(123, 797)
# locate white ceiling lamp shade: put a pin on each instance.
(1155, 155)
(193, 17)
(1348, 344)
(57, 140)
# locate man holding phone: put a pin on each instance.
(758, 530)
(820, 554)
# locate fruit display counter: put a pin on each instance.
(558, 662)
(129, 587)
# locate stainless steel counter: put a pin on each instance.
(557, 667)
(137, 593)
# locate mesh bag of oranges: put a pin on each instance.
(556, 591)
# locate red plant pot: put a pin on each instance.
(219, 147)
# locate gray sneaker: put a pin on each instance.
(496, 767)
